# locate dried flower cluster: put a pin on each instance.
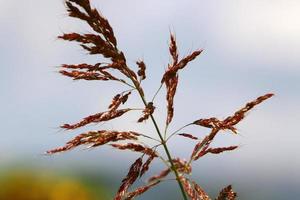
(102, 41)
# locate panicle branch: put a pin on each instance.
(96, 118)
(96, 138)
(170, 77)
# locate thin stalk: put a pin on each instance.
(156, 92)
(178, 131)
(164, 144)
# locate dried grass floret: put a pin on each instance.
(227, 194)
(160, 176)
(188, 188)
(146, 165)
(142, 69)
(99, 117)
(187, 135)
(200, 192)
(147, 112)
(230, 121)
(140, 190)
(135, 147)
(170, 77)
(96, 138)
(131, 177)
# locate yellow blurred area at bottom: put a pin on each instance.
(42, 186)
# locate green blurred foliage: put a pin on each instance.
(41, 185)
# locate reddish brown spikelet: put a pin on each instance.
(135, 147)
(147, 112)
(170, 77)
(76, 75)
(118, 100)
(182, 166)
(240, 114)
(82, 66)
(200, 192)
(171, 85)
(208, 123)
(203, 145)
(220, 149)
(131, 177)
(146, 165)
(99, 117)
(140, 190)
(173, 49)
(214, 151)
(97, 22)
(230, 121)
(227, 194)
(160, 176)
(96, 138)
(188, 188)
(187, 135)
(188, 59)
(142, 69)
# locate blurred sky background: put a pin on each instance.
(251, 48)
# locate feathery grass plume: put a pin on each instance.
(101, 40)
(227, 194)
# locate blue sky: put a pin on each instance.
(250, 48)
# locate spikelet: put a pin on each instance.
(170, 77)
(171, 85)
(142, 69)
(147, 112)
(160, 176)
(135, 147)
(188, 188)
(240, 114)
(187, 135)
(131, 177)
(118, 100)
(227, 194)
(96, 138)
(140, 190)
(200, 192)
(182, 166)
(146, 165)
(214, 151)
(99, 117)
(204, 144)
(230, 121)
(173, 49)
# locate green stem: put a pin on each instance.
(163, 142)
